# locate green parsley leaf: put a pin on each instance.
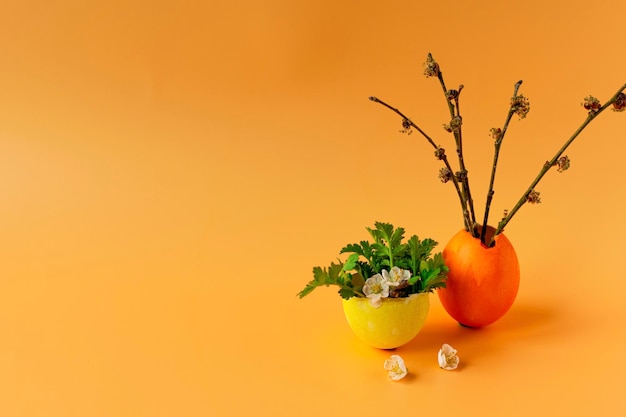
(387, 250)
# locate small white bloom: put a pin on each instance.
(395, 367)
(376, 288)
(448, 358)
(396, 276)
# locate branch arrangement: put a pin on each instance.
(519, 106)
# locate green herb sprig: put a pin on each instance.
(388, 250)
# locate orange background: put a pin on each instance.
(171, 171)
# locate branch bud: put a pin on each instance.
(520, 106)
(533, 197)
(452, 94)
(620, 103)
(461, 176)
(431, 67)
(496, 133)
(445, 175)
(591, 104)
(562, 164)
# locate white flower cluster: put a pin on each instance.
(377, 287)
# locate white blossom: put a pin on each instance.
(396, 276)
(395, 368)
(448, 358)
(376, 288)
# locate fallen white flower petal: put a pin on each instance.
(448, 358)
(395, 367)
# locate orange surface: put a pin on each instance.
(171, 171)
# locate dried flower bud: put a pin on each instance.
(440, 153)
(445, 175)
(406, 127)
(533, 197)
(620, 103)
(452, 94)
(447, 128)
(432, 68)
(461, 175)
(520, 106)
(592, 104)
(562, 164)
(455, 123)
(496, 133)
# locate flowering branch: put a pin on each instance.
(521, 108)
(530, 195)
(519, 105)
(439, 153)
(455, 126)
(456, 122)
